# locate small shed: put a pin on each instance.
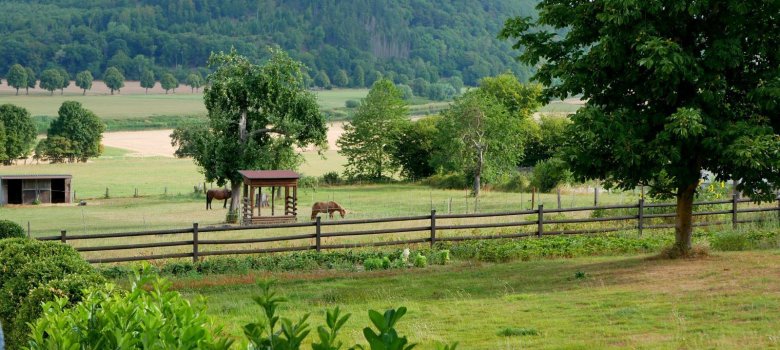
(255, 181)
(26, 189)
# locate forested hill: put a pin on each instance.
(405, 39)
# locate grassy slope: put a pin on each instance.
(729, 300)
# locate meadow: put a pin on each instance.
(725, 301)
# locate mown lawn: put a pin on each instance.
(725, 301)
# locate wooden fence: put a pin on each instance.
(433, 225)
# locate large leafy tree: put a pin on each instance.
(479, 137)
(3, 156)
(413, 146)
(82, 128)
(51, 80)
(672, 88)
(169, 82)
(65, 80)
(114, 79)
(258, 116)
(31, 80)
(19, 132)
(195, 81)
(84, 81)
(17, 77)
(147, 80)
(368, 139)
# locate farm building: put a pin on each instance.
(26, 189)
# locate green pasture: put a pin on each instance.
(725, 301)
(119, 106)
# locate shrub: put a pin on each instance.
(452, 181)
(549, 173)
(352, 104)
(141, 318)
(440, 257)
(515, 332)
(33, 272)
(374, 264)
(420, 261)
(10, 229)
(518, 182)
(331, 178)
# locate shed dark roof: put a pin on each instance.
(268, 174)
(30, 177)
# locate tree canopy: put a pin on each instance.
(81, 128)
(84, 81)
(672, 89)
(169, 82)
(195, 81)
(51, 80)
(258, 116)
(19, 132)
(114, 79)
(368, 139)
(17, 77)
(147, 80)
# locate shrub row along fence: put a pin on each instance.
(429, 229)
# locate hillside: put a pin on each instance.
(359, 39)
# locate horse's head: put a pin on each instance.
(342, 212)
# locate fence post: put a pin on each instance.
(778, 208)
(640, 217)
(433, 227)
(63, 236)
(734, 211)
(107, 192)
(318, 234)
(540, 228)
(595, 196)
(29, 235)
(194, 242)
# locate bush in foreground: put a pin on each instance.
(34, 272)
(10, 229)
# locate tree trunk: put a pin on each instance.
(235, 197)
(147, 91)
(17, 91)
(684, 221)
(84, 93)
(478, 175)
(112, 91)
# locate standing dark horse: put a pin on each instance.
(220, 193)
(326, 207)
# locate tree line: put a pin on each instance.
(74, 136)
(344, 43)
(53, 79)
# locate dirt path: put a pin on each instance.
(157, 143)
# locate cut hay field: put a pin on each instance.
(725, 301)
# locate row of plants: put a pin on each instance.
(350, 260)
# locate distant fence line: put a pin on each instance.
(431, 227)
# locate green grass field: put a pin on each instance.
(725, 301)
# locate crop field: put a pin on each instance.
(725, 301)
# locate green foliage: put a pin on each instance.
(451, 181)
(82, 130)
(374, 264)
(351, 104)
(65, 79)
(114, 79)
(386, 337)
(341, 79)
(406, 92)
(149, 316)
(480, 136)
(31, 79)
(327, 335)
(33, 272)
(195, 81)
(322, 80)
(413, 145)
(19, 132)
(545, 139)
(420, 261)
(331, 178)
(51, 80)
(367, 139)
(55, 149)
(17, 77)
(147, 80)
(693, 105)
(439, 257)
(264, 334)
(549, 174)
(3, 140)
(10, 229)
(84, 80)
(169, 82)
(258, 114)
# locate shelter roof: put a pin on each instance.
(269, 174)
(32, 177)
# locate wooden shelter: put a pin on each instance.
(254, 181)
(29, 189)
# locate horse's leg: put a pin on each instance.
(224, 205)
(313, 214)
(330, 213)
(208, 202)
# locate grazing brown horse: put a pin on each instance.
(219, 193)
(326, 207)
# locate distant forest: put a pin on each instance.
(343, 42)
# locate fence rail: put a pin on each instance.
(642, 222)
